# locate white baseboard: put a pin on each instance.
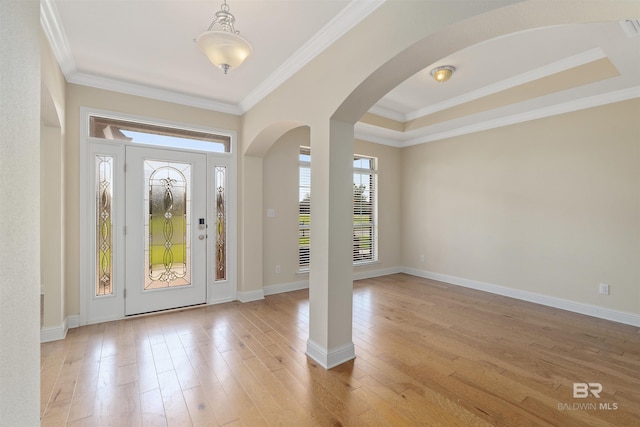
(368, 274)
(563, 304)
(73, 321)
(330, 359)
(220, 300)
(54, 333)
(285, 287)
(304, 284)
(249, 296)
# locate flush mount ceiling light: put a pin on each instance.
(224, 48)
(442, 74)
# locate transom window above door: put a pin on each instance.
(152, 134)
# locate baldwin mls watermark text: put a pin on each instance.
(584, 391)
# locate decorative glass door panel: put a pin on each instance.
(167, 224)
(221, 223)
(104, 225)
(166, 231)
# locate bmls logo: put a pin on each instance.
(583, 390)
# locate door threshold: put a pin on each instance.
(166, 310)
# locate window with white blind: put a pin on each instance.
(365, 212)
(304, 208)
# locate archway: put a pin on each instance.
(250, 212)
(334, 90)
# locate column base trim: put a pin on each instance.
(330, 359)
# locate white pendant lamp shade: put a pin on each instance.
(224, 49)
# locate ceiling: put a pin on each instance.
(146, 47)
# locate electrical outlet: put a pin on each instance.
(277, 269)
(422, 258)
(604, 289)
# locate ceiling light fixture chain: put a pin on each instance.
(225, 19)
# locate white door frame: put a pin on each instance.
(112, 307)
(137, 299)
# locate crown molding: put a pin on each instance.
(397, 139)
(388, 113)
(371, 133)
(152, 93)
(54, 31)
(349, 17)
(554, 110)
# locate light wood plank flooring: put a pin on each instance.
(428, 353)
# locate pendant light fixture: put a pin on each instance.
(224, 47)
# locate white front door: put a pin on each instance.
(166, 239)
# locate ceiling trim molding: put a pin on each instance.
(554, 110)
(379, 135)
(387, 113)
(349, 17)
(370, 133)
(538, 73)
(152, 93)
(53, 29)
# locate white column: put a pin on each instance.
(331, 271)
(19, 213)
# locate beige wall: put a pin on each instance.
(280, 192)
(550, 206)
(82, 96)
(52, 254)
(52, 136)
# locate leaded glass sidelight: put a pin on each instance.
(221, 223)
(167, 224)
(104, 225)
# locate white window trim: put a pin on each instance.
(374, 171)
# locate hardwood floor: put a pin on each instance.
(428, 353)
